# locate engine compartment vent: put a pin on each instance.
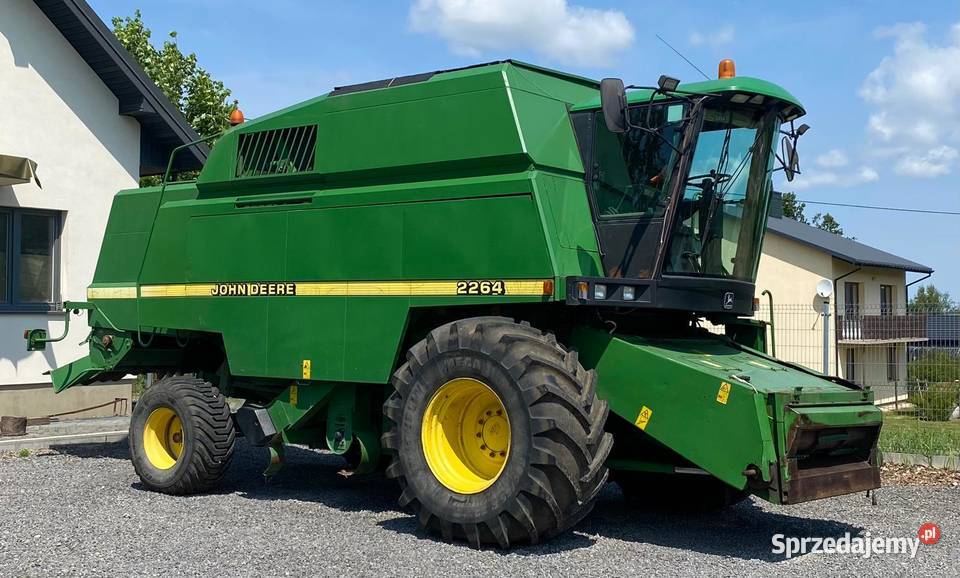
(277, 152)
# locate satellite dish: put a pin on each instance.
(825, 288)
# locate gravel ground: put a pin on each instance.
(82, 511)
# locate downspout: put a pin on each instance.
(907, 286)
(836, 318)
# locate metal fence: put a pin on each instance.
(910, 357)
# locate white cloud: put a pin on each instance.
(829, 178)
(933, 163)
(565, 33)
(833, 158)
(723, 35)
(914, 96)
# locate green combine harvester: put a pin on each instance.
(489, 281)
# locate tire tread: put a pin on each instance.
(570, 448)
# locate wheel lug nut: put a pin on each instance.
(479, 435)
(503, 454)
(499, 412)
(481, 422)
(493, 454)
(483, 446)
(489, 413)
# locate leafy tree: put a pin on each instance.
(793, 209)
(826, 222)
(202, 100)
(929, 299)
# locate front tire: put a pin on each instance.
(497, 433)
(181, 436)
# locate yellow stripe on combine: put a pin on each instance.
(189, 290)
(112, 292)
(522, 288)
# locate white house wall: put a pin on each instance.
(791, 271)
(870, 279)
(55, 110)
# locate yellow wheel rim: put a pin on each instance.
(466, 435)
(163, 438)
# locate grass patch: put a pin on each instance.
(24, 453)
(906, 434)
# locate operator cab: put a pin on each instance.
(679, 181)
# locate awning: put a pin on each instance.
(17, 170)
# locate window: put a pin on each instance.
(851, 298)
(721, 217)
(892, 370)
(886, 300)
(29, 260)
(632, 170)
(850, 367)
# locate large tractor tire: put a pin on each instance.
(497, 432)
(181, 436)
(685, 493)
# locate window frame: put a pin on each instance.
(592, 166)
(12, 242)
(850, 365)
(851, 289)
(887, 305)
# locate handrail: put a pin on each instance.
(176, 150)
(773, 332)
(156, 211)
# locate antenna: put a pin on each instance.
(695, 67)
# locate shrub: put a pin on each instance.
(936, 401)
(934, 366)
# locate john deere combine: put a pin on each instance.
(489, 280)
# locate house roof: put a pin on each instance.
(842, 248)
(163, 127)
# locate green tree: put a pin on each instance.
(826, 222)
(934, 366)
(202, 100)
(929, 299)
(793, 209)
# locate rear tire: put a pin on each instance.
(181, 436)
(523, 485)
(678, 492)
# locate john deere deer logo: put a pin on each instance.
(728, 300)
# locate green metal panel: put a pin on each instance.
(218, 241)
(667, 378)
(472, 124)
(478, 238)
(744, 84)
(718, 406)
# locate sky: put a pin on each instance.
(880, 80)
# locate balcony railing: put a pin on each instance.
(890, 328)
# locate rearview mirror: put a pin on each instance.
(789, 158)
(613, 103)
